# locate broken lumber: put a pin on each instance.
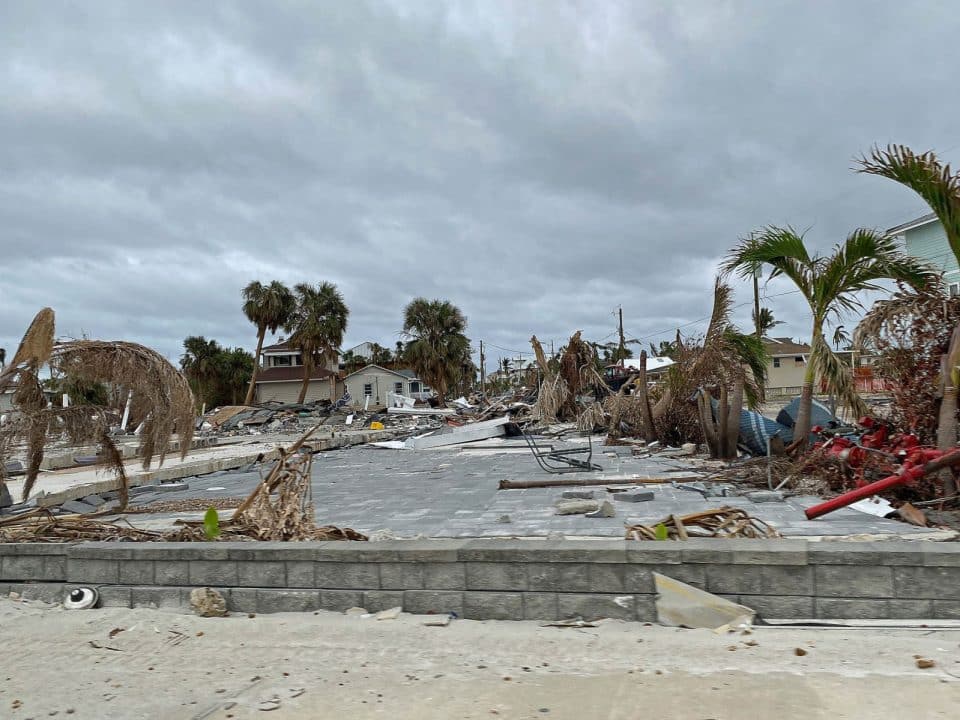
(508, 484)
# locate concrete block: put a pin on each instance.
(401, 576)
(596, 606)
(171, 572)
(606, 578)
(633, 497)
(780, 607)
(433, 601)
(171, 551)
(434, 550)
(59, 549)
(852, 581)
(351, 576)
(94, 500)
(158, 597)
(577, 494)
(646, 608)
(769, 552)
(939, 554)
(910, 609)
(261, 574)
(23, 567)
(638, 579)
(927, 582)
(92, 572)
(492, 605)
(51, 593)
(300, 574)
(654, 553)
(340, 600)
(54, 568)
(445, 576)
(136, 572)
(377, 600)
(861, 609)
(946, 610)
(114, 596)
(242, 600)
(102, 551)
(760, 579)
(496, 576)
(865, 553)
(271, 601)
(702, 550)
(547, 550)
(540, 606)
(213, 572)
(78, 506)
(556, 577)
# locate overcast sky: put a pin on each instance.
(536, 163)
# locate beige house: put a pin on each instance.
(787, 365)
(281, 376)
(378, 382)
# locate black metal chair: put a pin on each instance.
(568, 460)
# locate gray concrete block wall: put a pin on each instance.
(505, 579)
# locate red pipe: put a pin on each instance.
(919, 463)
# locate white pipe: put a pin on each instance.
(66, 400)
(126, 412)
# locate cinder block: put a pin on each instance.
(300, 574)
(58, 549)
(242, 600)
(351, 576)
(340, 600)
(429, 551)
(639, 578)
(548, 550)
(910, 609)
(445, 576)
(593, 607)
(171, 572)
(209, 551)
(268, 551)
(433, 601)
(941, 554)
(401, 576)
(493, 605)
(52, 593)
(92, 572)
(780, 607)
(377, 600)
(653, 553)
(927, 582)
(834, 608)
(497, 576)
(863, 553)
(760, 579)
(946, 610)
(213, 572)
(540, 606)
(271, 601)
(55, 568)
(853, 581)
(606, 578)
(23, 567)
(157, 597)
(136, 572)
(646, 608)
(252, 573)
(557, 577)
(114, 596)
(702, 550)
(769, 552)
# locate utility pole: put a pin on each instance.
(483, 373)
(621, 351)
(756, 301)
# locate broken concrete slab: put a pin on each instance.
(78, 506)
(94, 500)
(578, 494)
(420, 411)
(576, 507)
(604, 511)
(634, 497)
(682, 605)
(467, 433)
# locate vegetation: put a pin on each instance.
(830, 285)
(269, 307)
(764, 322)
(317, 326)
(217, 375)
(437, 348)
(79, 390)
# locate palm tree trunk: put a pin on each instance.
(307, 372)
(723, 419)
(704, 405)
(947, 420)
(256, 366)
(733, 418)
(801, 429)
(649, 433)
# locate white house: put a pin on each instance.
(281, 376)
(378, 382)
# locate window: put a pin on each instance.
(414, 386)
(398, 388)
(282, 361)
(798, 361)
(776, 362)
(954, 289)
(368, 390)
(298, 360)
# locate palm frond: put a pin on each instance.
(783, 249)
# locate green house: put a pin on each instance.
(926, 239)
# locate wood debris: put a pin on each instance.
(724, 522)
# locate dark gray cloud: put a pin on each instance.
(536, 163)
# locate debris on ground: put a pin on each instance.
(724, 522)
(682, 605)
(207, 602)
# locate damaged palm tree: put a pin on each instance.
(129, 366)
(560, 390)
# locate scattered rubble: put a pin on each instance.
(725, 522)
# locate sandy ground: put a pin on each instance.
(59, 663)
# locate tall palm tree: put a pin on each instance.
(317, 327)
(830, 285)
(437, 347)
(200, 363)
(764, 322)
(940, 189)
(269, 308)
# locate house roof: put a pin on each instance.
(654, 364)
(405, 374)
(279, 347)
(785, 346)
(290, 374)
(917, 222)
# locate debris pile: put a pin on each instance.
(724, 522)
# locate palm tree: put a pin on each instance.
(829, 284)
(3, 358)
(940, 189)
(236, 368)
(200, 363)
(317, 326)
(764, 322)
(437, 347)
(398, 355)
(269, 308)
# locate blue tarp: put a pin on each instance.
(819, 414)
(757, 429)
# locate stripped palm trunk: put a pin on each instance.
(733, 418)
(704, 402)
(947, 420)
(256, 366)
(649, 431)
(307, 372)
